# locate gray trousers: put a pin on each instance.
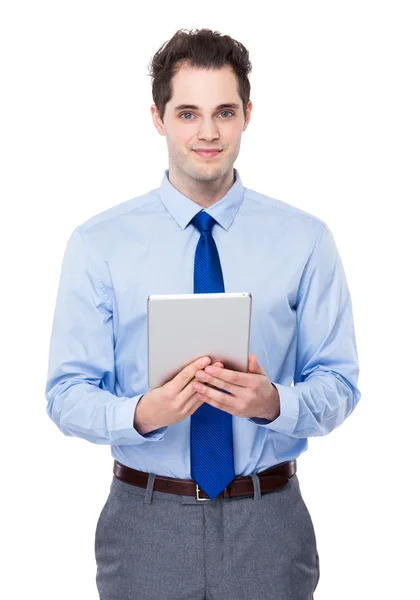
(152, 545)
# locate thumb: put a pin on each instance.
(254, 367)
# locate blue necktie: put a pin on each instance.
(211, 439)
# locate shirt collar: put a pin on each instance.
(183, 209)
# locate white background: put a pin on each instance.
(335, 131)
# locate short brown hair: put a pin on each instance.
(202, 48)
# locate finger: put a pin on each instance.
(254, 366)
(216, 364)
(195, 402)
(235, 377)
(217, 398)
(189, 394)
(214, 392)
(188, 373)
(202, 377)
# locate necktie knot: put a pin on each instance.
(203, 221)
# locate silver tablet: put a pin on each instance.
(183, 327)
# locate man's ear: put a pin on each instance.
(157, 121)
(248, 115)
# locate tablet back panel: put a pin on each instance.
(183, 327)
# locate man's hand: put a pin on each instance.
(248, 394)
(172, 402)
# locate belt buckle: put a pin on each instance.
(197, 491)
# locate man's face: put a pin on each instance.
(205, 127)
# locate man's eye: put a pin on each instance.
(182, 114)
(227, 111)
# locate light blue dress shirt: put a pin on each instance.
(302, 328)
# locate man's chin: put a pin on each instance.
(206, 172)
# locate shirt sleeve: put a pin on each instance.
(325, 388)
(80, 392)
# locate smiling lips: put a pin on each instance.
(207, 153)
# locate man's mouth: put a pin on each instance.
(207, 153)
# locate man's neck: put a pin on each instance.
(205, 193)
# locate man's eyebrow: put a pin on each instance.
(195, 107)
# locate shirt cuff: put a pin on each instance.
(124, 424)
(289, 411)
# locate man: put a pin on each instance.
(160, 535)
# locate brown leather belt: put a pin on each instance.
(270, 480)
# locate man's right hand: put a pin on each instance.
(172, 402)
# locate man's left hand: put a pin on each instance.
(249, 394)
